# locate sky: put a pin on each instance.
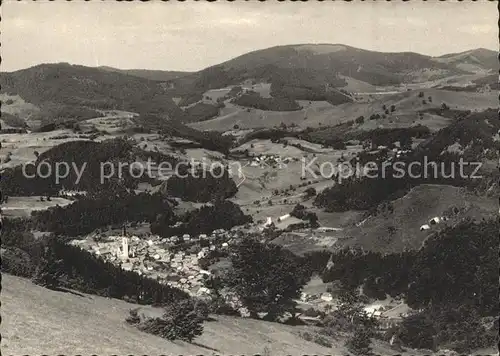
(190, 35)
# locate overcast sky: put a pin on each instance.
(193, 35)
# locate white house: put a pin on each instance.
(286, 216)
(424, 227)
(435, 220)
(268, 222)
(204, 290)
(327, 297)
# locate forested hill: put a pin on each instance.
(80, 86)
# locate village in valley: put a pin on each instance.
(154, 257)
(251, 179)
(175, 261)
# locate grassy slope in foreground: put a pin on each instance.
(36, 320)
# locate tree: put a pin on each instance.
(421, 94)
(405, 142)
(181, 320)
(49, 268)
(350, 313)
(360, 120)
(310, 192)
(350, 307)
(133, 318)
(359, 342)
(266, 278)
(236, 127)
(313, 219)
(393, 108)
(418, 331)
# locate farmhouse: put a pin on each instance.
(284, 217)
(424, 227)
(435, 220)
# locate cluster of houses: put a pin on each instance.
(269, 220)
(388, 315)
(273, 161)
(63, 193)
(156, 259)
(434, 221)
(308, 298)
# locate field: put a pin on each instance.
(113, 121)
(24, 206)
(407, 104)
(15, 105)
(401, 229)
(320, 113)
(23, 146)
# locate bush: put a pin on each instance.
(312, 313)
(321, 340)
(306, 336)
(310, 192)
(181, 320)
(359, 342)
(133, 317)
(220, 307)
